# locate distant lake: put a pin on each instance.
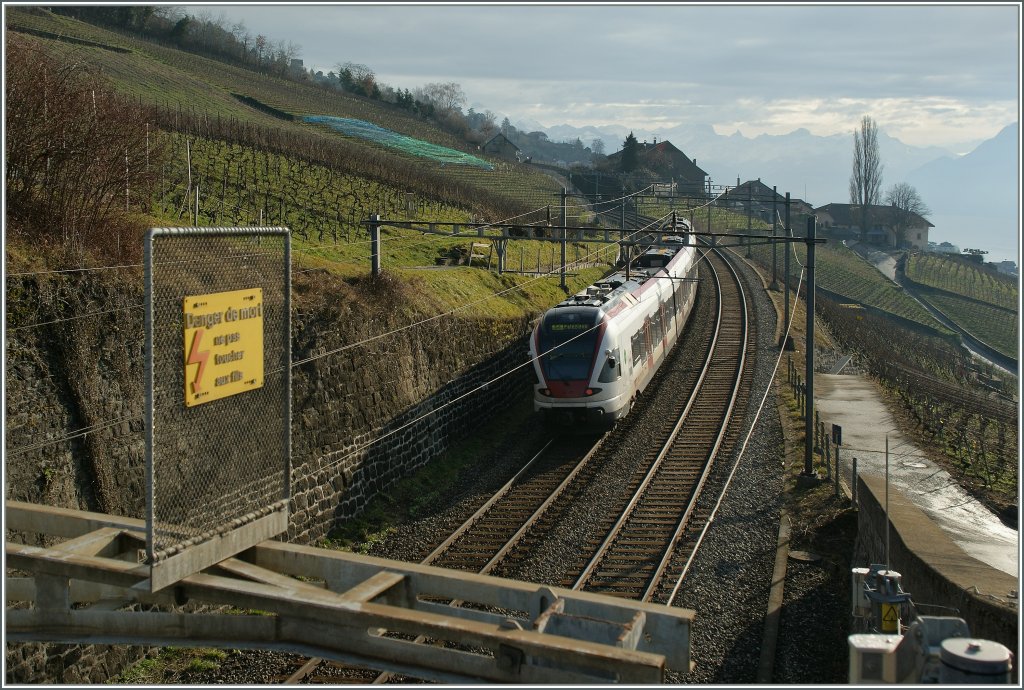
(999, 236)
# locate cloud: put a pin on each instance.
(936, 73)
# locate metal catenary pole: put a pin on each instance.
(809, 398)
(750, 214)
(785, 267)
(561, 281)
(622, 224)
(775, 245)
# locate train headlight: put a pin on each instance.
(592, 391)
(545, 391)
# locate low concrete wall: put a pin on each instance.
(935, 570)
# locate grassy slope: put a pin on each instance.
(964, 278)
(980, 301)
(241, 184)
(842, 271)
(176, 79)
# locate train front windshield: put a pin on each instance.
(567, 342)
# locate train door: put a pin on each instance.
(648, 343)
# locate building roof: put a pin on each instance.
(666, 149)
(503, 139)
(848, 215)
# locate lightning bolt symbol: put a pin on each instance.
(196, 357)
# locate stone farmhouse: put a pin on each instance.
(886, 225)
(665, 159)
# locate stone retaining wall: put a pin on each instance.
(934, 569)
(366, 411)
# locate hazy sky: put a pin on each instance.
(946, 75)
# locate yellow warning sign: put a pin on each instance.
(223, 344)
(890, 618)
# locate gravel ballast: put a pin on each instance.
(729, 581)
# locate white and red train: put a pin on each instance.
(595, 352)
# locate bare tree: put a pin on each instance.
(866, 179)
(906, 203)
(487, 125)
(597, 146)
(260, 46)
(447, 97)
(362, 77)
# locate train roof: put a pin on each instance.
(610, 290)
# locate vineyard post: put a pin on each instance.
(809, 368)
(838, 444)
(375, 245)
(853, 481)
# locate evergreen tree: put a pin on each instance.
(630, 150)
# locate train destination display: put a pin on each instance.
(223, 344)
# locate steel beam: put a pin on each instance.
(335, 605)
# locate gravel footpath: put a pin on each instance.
(729, 581)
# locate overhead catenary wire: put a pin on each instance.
(309, 248)
(483, 386)
(732, 473)
(457, 309)
(162, 264)
(104, 424)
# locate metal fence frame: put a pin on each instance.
(167, 565)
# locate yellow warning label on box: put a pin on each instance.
(223, 344)
(890, 618)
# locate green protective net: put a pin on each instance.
(386, 137)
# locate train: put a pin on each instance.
(595, 352)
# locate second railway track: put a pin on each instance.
(639, 542)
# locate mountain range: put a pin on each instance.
(974, 198)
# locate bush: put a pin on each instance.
(78, 155)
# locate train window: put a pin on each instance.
(656, 332)
(636, 343)
(651, 261)
(568, 342)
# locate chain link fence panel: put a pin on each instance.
(218, 381)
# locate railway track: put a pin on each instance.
(632, 559)
(657, 515)
(484, 539)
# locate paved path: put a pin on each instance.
(853, 403)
